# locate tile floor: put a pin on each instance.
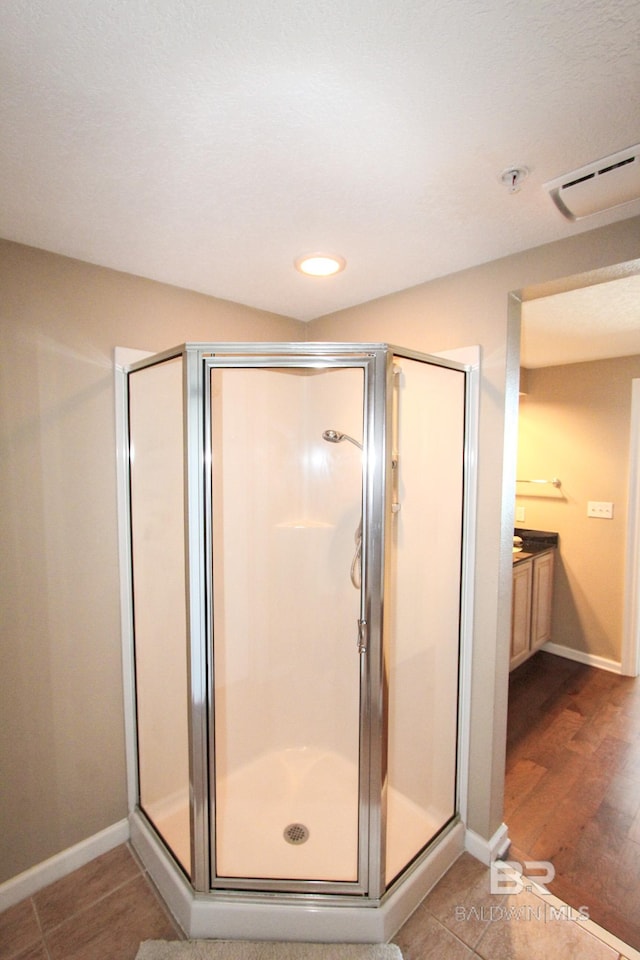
(105, 909)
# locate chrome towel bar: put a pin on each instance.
(555, 481)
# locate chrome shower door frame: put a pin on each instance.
(374, 361)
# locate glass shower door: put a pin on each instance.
(159, 602)
(423, 606)
(285, 517)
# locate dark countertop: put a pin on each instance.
(534, 542)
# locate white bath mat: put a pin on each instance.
(264, 950)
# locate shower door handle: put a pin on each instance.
(362, 636)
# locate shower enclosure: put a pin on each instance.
(296, 553)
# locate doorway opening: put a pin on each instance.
(572, 789)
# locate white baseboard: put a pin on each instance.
(35, 878)
(581, 656)
(486, 851)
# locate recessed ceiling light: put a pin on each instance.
(320, 264)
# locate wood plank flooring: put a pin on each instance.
(572, 791)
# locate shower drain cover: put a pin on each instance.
(296, 833)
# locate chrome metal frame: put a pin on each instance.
(157, 359)
(279, 357)
(467, 520)
(376, 360)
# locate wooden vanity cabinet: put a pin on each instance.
(521, 612)
(541, 599)
(531, 606)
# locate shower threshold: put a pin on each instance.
(230, 915)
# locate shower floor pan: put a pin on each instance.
(306, 795)
(253, 840)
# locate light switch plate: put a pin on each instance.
(600, 508)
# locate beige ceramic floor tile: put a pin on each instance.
(463, 901)
(462, 876)
(18, 929)
(85, 886)
(37, 952)
(114, 927)
(424, 938)
(527, 928)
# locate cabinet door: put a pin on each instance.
(521, 612)
(542, 597)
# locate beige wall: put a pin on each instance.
(62, 773)
(574, 424)
(61, 730)
(472, 307)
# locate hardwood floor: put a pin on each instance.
(572, 793)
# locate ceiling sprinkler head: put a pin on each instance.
(513, 178)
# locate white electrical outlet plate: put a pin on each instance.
(520, 514)
(600, 508)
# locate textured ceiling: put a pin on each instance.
(590, 323)
(208, 143)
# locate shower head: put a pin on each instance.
(333, 436)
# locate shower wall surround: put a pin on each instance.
(296, 632)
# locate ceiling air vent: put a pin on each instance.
(599, 186)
